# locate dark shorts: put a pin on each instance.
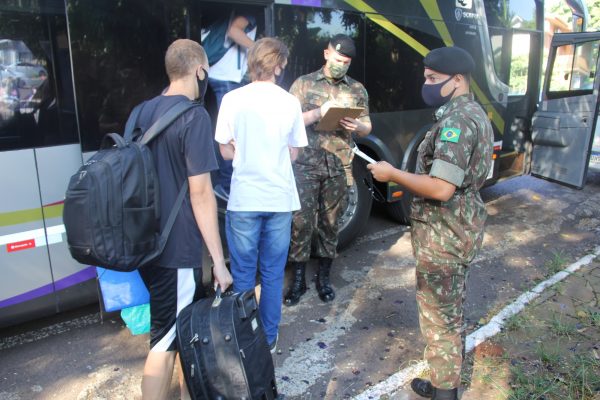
(171, 290)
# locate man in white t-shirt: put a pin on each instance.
(260, 127)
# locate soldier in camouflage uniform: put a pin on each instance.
(323, 169)
(447, 213)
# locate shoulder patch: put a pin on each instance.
(450, 135)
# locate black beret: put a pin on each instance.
(449, 61)
(343, 44)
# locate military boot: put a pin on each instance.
(422, 387)
(298, 287)
(324, 288)
(445, 394)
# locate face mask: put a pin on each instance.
(279, 78)
(432, 94)
(202, 86)
(337, 70)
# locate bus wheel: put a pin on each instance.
(358, 208)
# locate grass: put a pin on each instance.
(549, 350)
(561, 328)
(595, 318)
(557, 262)
(548, 357)
(576, 379)
(515, 322)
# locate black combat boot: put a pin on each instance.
(324, 288)
(422, 387)
(445, 394)
(298, 287)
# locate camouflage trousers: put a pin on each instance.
(322, 201)
(441, 292)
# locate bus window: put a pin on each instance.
(511, 13)
(34, 67)
(510, 24)
(394, 69)
(306, 32)
(511, 52)
(573, 70)
(118, 58)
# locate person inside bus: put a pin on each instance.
(447, 214)
(323, 170)
(184, 151)
(227, 74)
(260, 127)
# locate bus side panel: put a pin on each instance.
(54, 177)
(26, 273)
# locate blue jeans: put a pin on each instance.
(220, 88)
(261, 238)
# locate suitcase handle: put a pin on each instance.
(217, 299)
(246, 304)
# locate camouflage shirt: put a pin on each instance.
(458, 149)
(329, 149)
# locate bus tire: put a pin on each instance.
(358, 207)
(400, 210)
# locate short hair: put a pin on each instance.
(264, 56)
(183, 57)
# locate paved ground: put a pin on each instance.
(338, 350)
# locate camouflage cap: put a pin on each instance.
(343, 44)
(449, 61)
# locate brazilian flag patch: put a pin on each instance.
(450, 135)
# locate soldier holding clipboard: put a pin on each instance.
(334, 106)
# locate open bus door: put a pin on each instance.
(563, 127)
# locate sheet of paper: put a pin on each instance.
(331, 119)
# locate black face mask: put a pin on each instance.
(279, 78)
(202, 86)
(432, 94)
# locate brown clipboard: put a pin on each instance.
(331, 119)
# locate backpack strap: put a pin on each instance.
(166, 119)
(116, 139)
(156, 129)
(164, 235)
(130, 126)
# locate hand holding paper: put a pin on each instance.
(331, 120)
(382, 171)
(326, 106)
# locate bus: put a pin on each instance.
(71, 71)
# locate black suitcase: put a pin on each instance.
(223, 349)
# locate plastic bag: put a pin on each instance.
(137, 319)
(121, 290)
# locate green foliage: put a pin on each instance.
(560, 9)
(518, 74)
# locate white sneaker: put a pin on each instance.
(273, 346)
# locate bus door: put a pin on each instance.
(563, 126)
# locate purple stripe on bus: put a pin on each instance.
(310, 3)
(71, 280)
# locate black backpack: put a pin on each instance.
(112, 205)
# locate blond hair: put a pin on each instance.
(264, 56)
(183, 57)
